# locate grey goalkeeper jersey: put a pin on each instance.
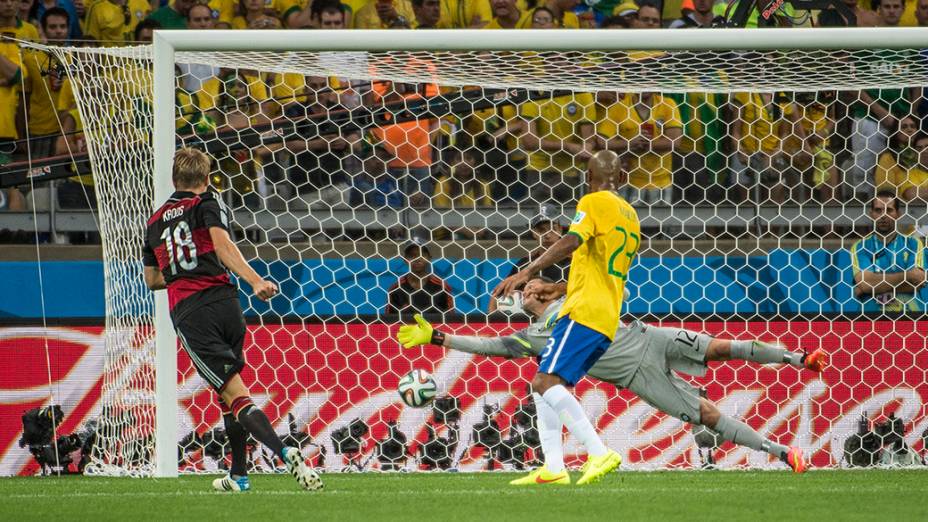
(618, 365)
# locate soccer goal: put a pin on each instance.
(347, 156)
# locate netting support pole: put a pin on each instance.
(165, 338)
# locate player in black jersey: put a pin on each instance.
(188, 250)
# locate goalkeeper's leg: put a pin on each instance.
(738, 432)
(765, 353)
(235, 395)
(667, 392)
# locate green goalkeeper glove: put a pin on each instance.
(416, 334)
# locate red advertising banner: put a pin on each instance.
(327, 375)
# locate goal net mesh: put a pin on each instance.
(351, 174)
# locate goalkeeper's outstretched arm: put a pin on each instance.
(489, 346)
(424, 333)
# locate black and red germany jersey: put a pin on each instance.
(177, 241)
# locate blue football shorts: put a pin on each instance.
(572, 350)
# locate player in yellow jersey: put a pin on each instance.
(603, 239)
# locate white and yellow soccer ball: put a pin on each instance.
(417, 388)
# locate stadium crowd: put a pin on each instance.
(693, 147)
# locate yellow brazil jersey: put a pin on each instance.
(67, 103)
(816, 121)
(492, 120)
(608, 227)
(893, 176)
(559, 119)
(138, 11)
(355, 5)
(9, 96)
(66, 100)
(132, 110)
(366, 17)
(460, 14)
(222, 11)
(105, 22)
(494, 24)
(646, 169)
(760, 122)
(286, 88)
(191, 107)
(22, 31)
(282, 8)
(241, 97)
(913, 178)
(474, 194)
(569, 20)
(43, 83)
(239, 22)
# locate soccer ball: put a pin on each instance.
(417, 388)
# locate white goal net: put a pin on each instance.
(372, 184)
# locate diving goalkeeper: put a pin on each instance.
(640, 359)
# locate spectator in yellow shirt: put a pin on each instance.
(139, 10)
(461, 14)
(428, 13)
(762, 122)
(816, 115)
(543, 18)
(462, 189)
(384, 14)
(13, 26)
(559, 141)
(645, 128)
(244, 99)
(194, 75)
(506, 15)
(106, 22)
(250, 10)
(915, 184)
(221, 11)
(44, 78)
(11, 71)
(562, 10)
(310, 14)
(330, 16)
(895, 164)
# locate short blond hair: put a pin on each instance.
(191, 168)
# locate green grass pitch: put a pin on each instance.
(824, 496)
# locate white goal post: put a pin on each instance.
(167, 44)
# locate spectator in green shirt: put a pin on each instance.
(173, 15)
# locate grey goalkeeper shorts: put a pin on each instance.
(669, 350)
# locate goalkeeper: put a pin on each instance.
(640, 359)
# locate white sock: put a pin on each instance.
(549, 431)
(571, 414)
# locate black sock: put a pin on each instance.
(237, 439)
(255, 421)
